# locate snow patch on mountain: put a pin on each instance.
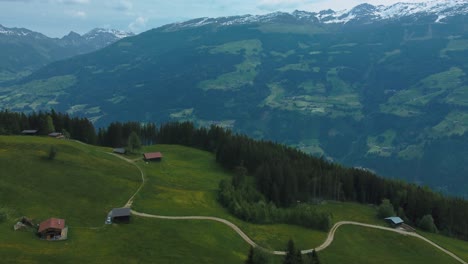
(95, 33)
(14, 31)
(364, 12)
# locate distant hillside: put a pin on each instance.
(382, 88)
(23, 51)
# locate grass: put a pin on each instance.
(381, 145)
(454, 45)
(142, 241)
(408, 102)
(458, 247)
(83, 183)
(186, 183)
(39, 188)
(46, 93)
(412, 152)
(455, 123)
(365, 245)
(340, 101)
(295, 29)
(351, 212)
(304, 67)
(9, 75)
(244, 73)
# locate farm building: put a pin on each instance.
(120, 150)
(120, 215)
(394, 221)
(153, 156)
(56, 135)
(53, 229)
(30, 132)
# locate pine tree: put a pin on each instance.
(250, 257)
(134, 142)
(292, 256)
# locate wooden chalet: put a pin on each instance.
(394, 221)
(120, 215)
(120, 150)
(56, 135)
(52, 229)
(153, 156)
(29, 132)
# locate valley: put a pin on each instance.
(381, 96)
(248, 132)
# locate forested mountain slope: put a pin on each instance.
(385, 92)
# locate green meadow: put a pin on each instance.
(366, 245)
(84, 182)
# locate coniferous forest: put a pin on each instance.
(284, 177)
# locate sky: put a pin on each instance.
(56, 18)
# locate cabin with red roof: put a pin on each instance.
(153, 156)
(53, 229)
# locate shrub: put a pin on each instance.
(52, 152)
(3, 215)
(427, 224)
(385, 209)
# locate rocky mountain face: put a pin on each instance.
(23, 51)
(368, 87)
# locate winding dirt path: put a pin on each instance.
(325, 244)
(143, 179)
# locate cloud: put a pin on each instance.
(124, 5)
(139, 24)
(271, 5)
(73, 2)
(78, 14)
(67, 2)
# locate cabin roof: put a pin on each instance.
(153, 155)
(55, 223)
(119, 212)
(395, 220)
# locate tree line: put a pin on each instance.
(285, 176)
(12, 123)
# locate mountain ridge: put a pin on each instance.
(24, 51)
(365, 13)
(390, 97)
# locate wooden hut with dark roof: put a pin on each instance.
(120, 215)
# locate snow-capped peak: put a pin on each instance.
(104, 31)
(363, 12)
(399, 10)
(14, 31)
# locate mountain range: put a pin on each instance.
(378, 87)
(24, 51)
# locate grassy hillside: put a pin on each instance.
(186, 183)
(81, 185)
(83, 182)
(364, 245)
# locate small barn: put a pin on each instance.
(30, 132)
(52, 229)
(394, 221)
(56, 135)
(120, 150)
(153, 156)
(120, 215)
